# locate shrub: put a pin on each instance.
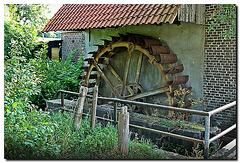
(56, 75)
(20, 83)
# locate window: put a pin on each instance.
(55, 53)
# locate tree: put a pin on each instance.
(50, 34)
(21, 25)
(224, 14)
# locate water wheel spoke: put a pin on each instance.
(119, 78)
(126, 72)
(149, 93)
(115, 73)
(106, 79)
(139, 65)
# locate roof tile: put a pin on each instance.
(83, 16)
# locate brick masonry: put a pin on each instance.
(71, 41)
(219, 78)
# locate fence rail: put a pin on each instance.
(207, 115)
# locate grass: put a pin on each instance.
(41, 136)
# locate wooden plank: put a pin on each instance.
(200, 14)
(187, 12)
(193, 13)
(167, 134)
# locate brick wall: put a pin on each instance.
(71, 41)
(219, 79)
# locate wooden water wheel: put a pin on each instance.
(119, 64)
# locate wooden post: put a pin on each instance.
(94, 107)
(207, 137)
(115, 112)
(123, 130)
(79, 110)
(62, 101)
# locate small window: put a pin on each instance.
(55, 53)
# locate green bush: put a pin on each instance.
(56, 75)
(20, 84)
(33, 81)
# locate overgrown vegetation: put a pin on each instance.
(30, 79)
(224, 14)
(37, 135)
(56, 75)
(33, 81)
(167, 121)
(21, 25)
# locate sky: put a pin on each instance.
(53, 8)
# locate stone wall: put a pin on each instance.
(71, 41)
(219, 78)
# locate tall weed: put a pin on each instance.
(37, 135)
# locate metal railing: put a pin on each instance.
(207, 115)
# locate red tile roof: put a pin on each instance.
(82, 16)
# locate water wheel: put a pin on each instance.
(135, 67)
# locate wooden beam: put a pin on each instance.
(123, 131)
(79, 110)
(139, 65)
(94, 108)
(126, 72)
(149, 93)
(114, 73)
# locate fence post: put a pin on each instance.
(62, 101)
(207, 137)
(79, 110)
(115, 112)
(94, 107)
(123, 130)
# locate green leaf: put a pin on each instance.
(14, 105)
